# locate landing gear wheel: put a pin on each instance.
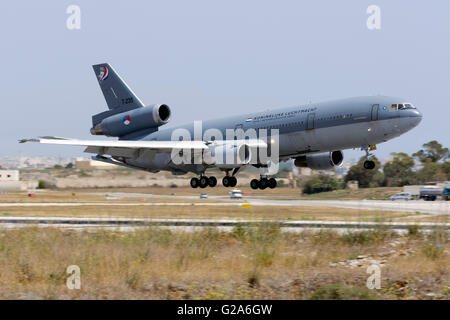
(254, 184)
(226, 181)
(203, 182)
(233, 182)
(369, 164)
(272, 183)
(263, 183)
(195, 183)
(212, 181)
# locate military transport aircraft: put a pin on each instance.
(313, 135)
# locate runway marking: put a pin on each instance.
(216, 223)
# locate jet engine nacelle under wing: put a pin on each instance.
(231, 154)
(320, 161)
(127, 122)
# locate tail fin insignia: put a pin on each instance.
(116, 92)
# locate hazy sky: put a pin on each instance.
(215, 58)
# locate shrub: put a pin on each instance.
(365, 237)
(438, 235)
(264, 257)
(83, 174)
(263, 233)
(324, 236)
(321, 183)
(239, 231)
(432, 250)
(41, 184)
(413, 230)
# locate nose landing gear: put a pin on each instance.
(369, 164)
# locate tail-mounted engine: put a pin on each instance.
(123, 123)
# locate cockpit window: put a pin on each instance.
(405, 106)
(393, 107)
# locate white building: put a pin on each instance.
(9, 175)
(10, 181)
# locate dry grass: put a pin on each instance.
(257, 262)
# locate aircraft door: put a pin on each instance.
(311, 121)
(374, 113)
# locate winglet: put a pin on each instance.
(28, 140)
(43, 137)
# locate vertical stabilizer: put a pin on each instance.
(116, 91)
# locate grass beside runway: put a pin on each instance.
(257, 262)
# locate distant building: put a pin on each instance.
(9, 175)
(92, 164)
(353, 184)
(10, 181)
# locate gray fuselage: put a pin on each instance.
(304, 129)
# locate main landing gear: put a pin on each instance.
(203, 182)
(369, 164)
(263, 183)
(228, 181)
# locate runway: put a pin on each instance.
(432, 207)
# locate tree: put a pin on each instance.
(398, 171)
(69, 165)
(366, 178)
(446, 168)
(432, 150)
(434, 158)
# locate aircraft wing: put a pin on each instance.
(123, 148)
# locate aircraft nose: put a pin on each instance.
(414, 116)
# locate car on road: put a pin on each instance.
(203, 195)
(401, 196)
(236, 194)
